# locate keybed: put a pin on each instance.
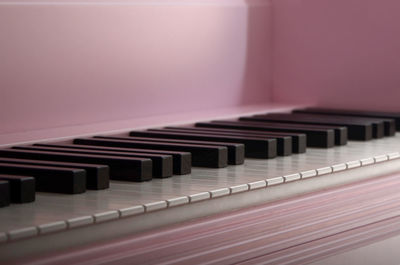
(50, 207)
(225, 161)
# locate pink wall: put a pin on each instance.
(73, 63)
(66, 63)
(337, 52)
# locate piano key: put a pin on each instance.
(389, 124)
(121, 168)
(162, 164)
(182, 161)
(202, 155)
(356, 131)
(389, 127)
(50, 179)
(315, 137)
(235, 150)
(283, 143)
(254, 147)
(210, 155)
(97, 176)
(299, 140)
(4, 193)
(357, 113)
(22, 188)
(378, 125)
(340, 132)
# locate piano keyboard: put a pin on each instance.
(280, 154)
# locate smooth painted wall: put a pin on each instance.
(73, 63)
(341, 53)
(66, 63)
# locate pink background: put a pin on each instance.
(72, 64)
(66, 64)
(342, 53)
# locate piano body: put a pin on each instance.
(73, 69)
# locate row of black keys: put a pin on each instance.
(173, 150)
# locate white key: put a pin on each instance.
(308, 174)
(324, 171)
(274, 181)
(23, 233)
(154, 206)
(129, 211)
(105, 216)
(219, 192)
(199, 197)
(80, 221)
(292, 177)
(257, 184)
(178, 201)
(353, 164)
(339, 167)
(239, 188)
(52, 227)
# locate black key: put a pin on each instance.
(97, 176)
(316, 137)
(339, 132)
(206, 156)
(236, 151)
(50, 179)
(378, 125)
(121, 168)
(283, 144)
(214, 156)
(391, 120)
(254, 147)
(389, 127)
(353, 123)
(356, 130)
(22, 188)
(299, 140)
(182, 161)
(4, 193)
(162, 164)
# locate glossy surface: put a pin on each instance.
(297, 230)
(50, 208)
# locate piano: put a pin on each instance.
(250, 109)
